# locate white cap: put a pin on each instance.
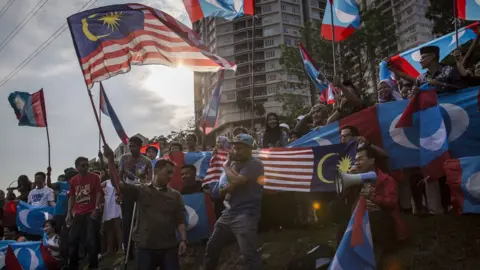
(284, 126)
(300, 117)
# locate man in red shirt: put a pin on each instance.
(83, 205)
(387, 226)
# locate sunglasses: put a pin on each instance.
(84, 165)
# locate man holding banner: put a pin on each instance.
(160, 214)
(245, 175)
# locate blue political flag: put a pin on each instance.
(30, 219)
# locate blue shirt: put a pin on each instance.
(247, 198)
(61, 207)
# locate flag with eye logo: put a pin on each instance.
(30, 219)
(200, 216)
(29, 255)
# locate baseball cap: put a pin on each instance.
(244, 139)
(284, 125)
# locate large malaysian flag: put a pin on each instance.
(108, 40)
(295, 169)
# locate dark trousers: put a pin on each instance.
(150, 259)
(60, 221)
(243, 228)
(83, 225)
(127, 216)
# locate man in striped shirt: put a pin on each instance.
(244, 175)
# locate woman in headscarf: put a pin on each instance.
(274, 136)
(388, 91)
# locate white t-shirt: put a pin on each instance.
(112, 209)
(41, 197)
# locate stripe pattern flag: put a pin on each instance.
(29, 108)
(227, 9)
(294, 169)
(107, 109)
(108, 40)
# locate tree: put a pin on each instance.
(181, 135)
(259, 109)
(292, 106)
(360, 53)
(440, 13)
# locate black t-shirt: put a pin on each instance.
(191, 189)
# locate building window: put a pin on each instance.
(271, 65)
(272, 77)
(270, 54)
(269, 42)
(267, 20)
(284, 7)
(296, 10)
(285, 29)
(267, 8)
(230, 96)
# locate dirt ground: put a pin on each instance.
(436, 242)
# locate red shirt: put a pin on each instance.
(85, 189)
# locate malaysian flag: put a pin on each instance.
(295, 169)
(108, 40)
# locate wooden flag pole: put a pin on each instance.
(48, 143)
(96, 116)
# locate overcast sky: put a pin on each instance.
(151, 100)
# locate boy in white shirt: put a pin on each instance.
(41, 195)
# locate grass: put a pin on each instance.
(436, 243)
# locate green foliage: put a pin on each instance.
(362, 51)
(440, 13)
(181, 134)
(292, 106)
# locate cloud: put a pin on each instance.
(151, 100)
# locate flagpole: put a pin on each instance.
(48, 143)
(333, 41)
(204, 141)
(455, 14)
(253, 74)
(100, 119)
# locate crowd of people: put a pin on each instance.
(97, 211)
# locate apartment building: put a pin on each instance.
(412, 27)
(277, 22)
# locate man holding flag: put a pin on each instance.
(445, 78)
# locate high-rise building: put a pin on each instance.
(412, 27)
(278, 22)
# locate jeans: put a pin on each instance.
(150, 259)
(81, 225)
(242, 228)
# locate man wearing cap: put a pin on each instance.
(244, 175)
(444, 78)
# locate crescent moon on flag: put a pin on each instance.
(473, 185)
(344, 17)
(198, 165)
(192, 217)
(320, 168)
(398, 135)
(87, 32)
(416, 56)
(436, 140)
(22, 216)
(34, 263)
(461, 123)
(454, 38)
